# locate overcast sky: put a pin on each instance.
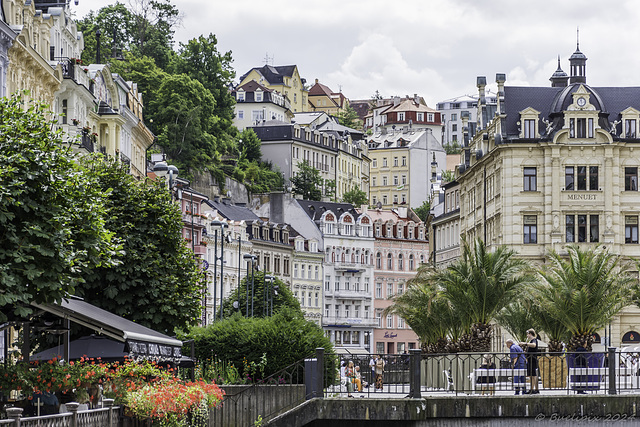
(434, 48)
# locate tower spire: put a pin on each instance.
(577, 38)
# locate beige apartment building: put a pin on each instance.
(557, 165)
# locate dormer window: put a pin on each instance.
(529, 123)
(630, 128)
(240, 96)
(258, 95)
(581, 128)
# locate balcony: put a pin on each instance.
(350, 321)
(200, 250)
(349, 267)
(349, 294)
(188, 217)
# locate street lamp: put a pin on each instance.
(251, 260)
(268, 286)
(164, 170)
(216, 223)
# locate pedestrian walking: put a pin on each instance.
(379, 371)
(518, 361)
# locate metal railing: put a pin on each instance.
(612, 372)
(244, 405)
(398, 376)
(102, 417)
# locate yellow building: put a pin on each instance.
(28, 67)
(557, 165)
(322, 98)
(284, 79)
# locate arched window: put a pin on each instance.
(389, 262)
(378, 260)
(333, 257)
(342, 257)
(411, 264)
(400, 263)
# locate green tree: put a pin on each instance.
(447, 176)
(52, 226)
(157, 282)
(184, 113)
(480, 284)
(428, 313)
(259, 292)
(282, 339)
(424, 210)
(330, 189)
(452, 147)
(349, 118)
(307, 182)
(250, 145)
(356, 197)
(583, 291)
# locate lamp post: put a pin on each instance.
(268, 285)
(216, 223)
(251, 260)
(164, 170)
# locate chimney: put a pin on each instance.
(98, 32)
(500, 80)
(276, 208)
(316, 81)
(481, 82)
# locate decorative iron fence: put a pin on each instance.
(613, 372)
(102, 417)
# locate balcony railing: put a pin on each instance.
(187, 217)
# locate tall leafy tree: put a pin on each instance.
(356, 197)
(349, 118)
(250, 145)
(583, 291)
(423, 211)
(52, 215)
(184, 113)
(307, 182)
(157, 282)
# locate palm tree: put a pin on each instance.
(582, 291)
(480, 284)
(517, 317)
(427, 313)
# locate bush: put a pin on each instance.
(284, 338)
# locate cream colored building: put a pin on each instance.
(557, 165)
(307, 277)
(322, 98)
(284, 79)
(28, 67)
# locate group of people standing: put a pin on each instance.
(525, 359)
(353, 376)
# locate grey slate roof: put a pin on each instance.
(551, 101)
(233, 212)
(274, 75)
(316, 209)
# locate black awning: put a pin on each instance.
(140, 341)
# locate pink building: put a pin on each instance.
(400, 247)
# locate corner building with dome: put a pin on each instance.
(554, 166)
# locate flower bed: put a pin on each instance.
(148, 390)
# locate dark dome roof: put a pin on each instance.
(563, 99)
(577, 55)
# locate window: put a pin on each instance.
(594, 228)
(373, 181)
(389, 290)
(404, 179)
(240, 96)
(631, 179)
(389, 321)
(389, 262)
(454, 117)
(568, 178)
(395, 162)
(316, 272)
(582, 178)
(400, 263)
(385, 200)
(631, 229)
(593, 178)
(395, 199)
(411, 263)
(337, 284)
(454, 127)
(258, 95)
(384, 180)
(327, 283)
(295, 270)
(378, 255)
(395, 179)
(374, 163)
(404, 160)
(337, 311)
(530, 179)
(571, 230)
(378, 290)
(400, 117)
(257, 115)
(384, 162)
(530, 229)
(420, 117)
(430, 117)
(241, 114)
(347, 311)
(400, 288)
(327, 309)
(629, 128)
